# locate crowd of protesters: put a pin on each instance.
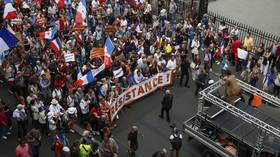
(145, 44)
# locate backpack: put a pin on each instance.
(176, 142)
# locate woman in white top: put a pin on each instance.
(43, 121)
(52, 123)
(35, 114)
(195, 45)
(171, 64)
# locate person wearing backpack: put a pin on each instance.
(57, 147)
(176, 142)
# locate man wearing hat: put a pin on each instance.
(20, 115)
(56, 108)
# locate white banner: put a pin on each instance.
(118, 73)
(242, 54)
(69, 57)
(140, 90)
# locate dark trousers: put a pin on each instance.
(43, 129)
(276, 90)
(176, 152)
(21, 129)
(253, 82)
(198, 87)
(35, 124)
(95, 124)
(207, 66)
(166, 110)
(238, 66)
(182, 78)
(231, 58)
(84, 118)
(133, 150)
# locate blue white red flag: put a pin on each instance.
(89, 77)
(81, 13)
(7, 40)
(108, 51)
(56, 45)
(9, 11)
(48, 34)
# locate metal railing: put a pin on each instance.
(258, 35)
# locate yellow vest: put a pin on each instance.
(85, 150)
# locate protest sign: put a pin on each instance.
(70, 57)
(242, 54)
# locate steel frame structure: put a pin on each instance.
(265, 128)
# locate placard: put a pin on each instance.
(69, 57)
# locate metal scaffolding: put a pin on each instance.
(265, 128)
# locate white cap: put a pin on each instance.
(66, 149)
(210, 81)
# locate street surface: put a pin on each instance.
(262, 14)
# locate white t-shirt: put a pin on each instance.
(42, 117)
(171, 65)
(56, 109)
(35, 111)
(52, 124)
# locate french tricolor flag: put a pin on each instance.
(89, 77)
(48, 34)
(81, 13)
(60, 4)
(108, 51)
(60, 24)
(56, 45)
(9, 11)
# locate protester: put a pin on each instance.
(161, 153)
(201, 81)
(167, 103)
(23, 149)
(133, 141)
(185, 68)
(3, 124)
(34, 142)
(20, 115)
(109, 147)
